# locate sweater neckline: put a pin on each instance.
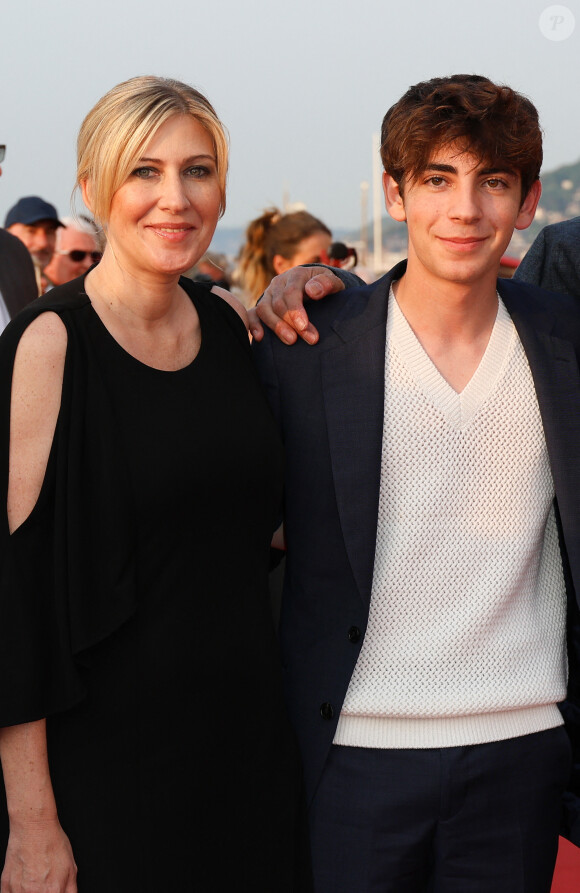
(458, 408)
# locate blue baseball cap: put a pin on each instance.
(30, 210)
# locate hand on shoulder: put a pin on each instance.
(281, 307)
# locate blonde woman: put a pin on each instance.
(144, 741)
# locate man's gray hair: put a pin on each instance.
(82, 224)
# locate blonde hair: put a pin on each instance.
(271, 234)
(115, 132)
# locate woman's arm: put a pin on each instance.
(35, 403)
(279, 539)
(39, 857)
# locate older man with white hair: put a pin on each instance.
(77, 249)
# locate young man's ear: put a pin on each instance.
(527, 211)
(393, 198)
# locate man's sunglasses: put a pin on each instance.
(76, 255)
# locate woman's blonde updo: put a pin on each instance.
(115, 132)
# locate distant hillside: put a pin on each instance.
(560, 200)
(561, 192)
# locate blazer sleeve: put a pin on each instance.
(347, 277)
(553, 261)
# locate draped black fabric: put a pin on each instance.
(67, 578)
(134, 614)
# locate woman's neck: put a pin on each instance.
(138, 300)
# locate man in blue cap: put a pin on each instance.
(35, 222)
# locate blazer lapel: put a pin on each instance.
(556, 377)
(353, 388)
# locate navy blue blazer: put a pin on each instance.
(328, 400)
(553, 261)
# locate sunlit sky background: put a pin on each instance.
(301, 85)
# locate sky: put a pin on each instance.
(301, 85)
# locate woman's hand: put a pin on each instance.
(39, 859)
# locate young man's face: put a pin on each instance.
(460, 215)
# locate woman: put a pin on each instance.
(276, 242)
(144, 737)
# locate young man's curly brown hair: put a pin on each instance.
(497, 125)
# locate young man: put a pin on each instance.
(433, 526)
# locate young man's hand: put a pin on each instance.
(281, 307)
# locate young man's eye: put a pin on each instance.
(436, 180)
(495, 182)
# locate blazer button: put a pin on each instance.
(326, 710)
(354, 634)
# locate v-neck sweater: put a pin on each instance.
(466, 636)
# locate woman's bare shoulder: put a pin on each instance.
(43, 340)
(234, 302)
(39, 368)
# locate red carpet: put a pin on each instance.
(567, 874)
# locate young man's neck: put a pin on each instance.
(455, 309)
(453, 321)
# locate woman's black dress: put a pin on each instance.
(141, 580)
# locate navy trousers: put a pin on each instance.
(477, 819)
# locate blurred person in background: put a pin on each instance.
(340, 255)
(17, 280)
(212, 269)
(35, 222)
(77, 249)
(276, 242)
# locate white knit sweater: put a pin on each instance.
(466, 634)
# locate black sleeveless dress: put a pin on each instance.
(173, 763)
